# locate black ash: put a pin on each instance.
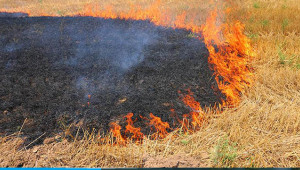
(52, 67)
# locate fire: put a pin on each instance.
(152, 13)
(115, 130)
(229, 54)
(160, 127)
(89, 98)
(196, 114)
(229, 49)
(136, 132)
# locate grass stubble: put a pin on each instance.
(263, 131)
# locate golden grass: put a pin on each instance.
(263, 131)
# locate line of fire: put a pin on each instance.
(133, 75)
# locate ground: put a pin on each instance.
(96, 71)
(263, 131)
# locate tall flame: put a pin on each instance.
(229, 54)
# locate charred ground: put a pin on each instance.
(51, 67)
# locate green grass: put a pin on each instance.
(224, 153)
(191, 35)
(252, 36)
(265, 22)
(267, 109)
(60, 13)
(282, 57)
(284, 24)
(292, 61)
(256, 5)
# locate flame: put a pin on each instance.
(151, 13)
(115, 130)
(136, 132)
(196, 114)
(229, 48)
(229, 54)
(89, 98)
(160, 126)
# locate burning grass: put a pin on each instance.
(263, 131)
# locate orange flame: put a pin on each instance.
(196, 114)
(136, 132)
(116, 132)
(160, 126)
(151, 13)
(229, 54)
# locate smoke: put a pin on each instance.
(109, 50)
(55, 65)
(116, 46)
(100, 51)
(97, 52)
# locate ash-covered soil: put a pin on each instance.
(51, 67)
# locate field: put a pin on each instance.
(262, 131)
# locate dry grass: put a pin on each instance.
(263, 131)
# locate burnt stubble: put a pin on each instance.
(51, 67)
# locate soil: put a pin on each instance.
(85, 71)
(177, 161)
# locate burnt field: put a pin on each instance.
(55, 71)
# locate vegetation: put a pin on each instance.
(263, 131)
(224, 153)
